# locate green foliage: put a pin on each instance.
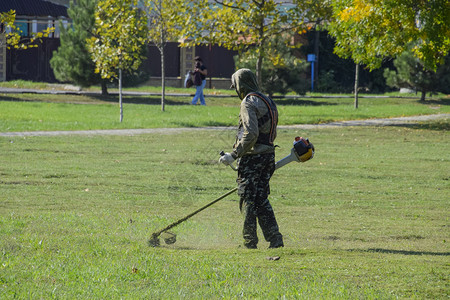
(411, 73)
(314, 11)
(72, 61)
(119, 37)
(282, 71)
(443, 73)
(162, 27)
(369, 30)
(239, 25)
(12, 33)
(326, 83)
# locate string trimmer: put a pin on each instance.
(302, 151)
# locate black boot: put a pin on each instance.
(250, 245)
(276, 243)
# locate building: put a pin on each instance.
(32, 16)
(34, 63)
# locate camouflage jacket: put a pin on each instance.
(257, 119)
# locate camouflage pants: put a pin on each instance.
(254, 175)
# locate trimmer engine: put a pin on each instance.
(303, 149)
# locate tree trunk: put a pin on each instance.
(163, 81)
(316, 53)
(162, 44)
(356, 85)
(163, 74)
(261, 54)
(259, 69)
(423, 95)
(104, 88)
(120, 95)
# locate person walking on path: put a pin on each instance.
(203, 71)
(254, 147)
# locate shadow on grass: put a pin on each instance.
(401, 252)
(149, 100)
(405, 252)
(202, 124)
(436, 125)
(301, 102)
(440, 101)
(218, 124)
(91, 98)
(184, 124)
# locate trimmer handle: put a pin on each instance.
(231, 165)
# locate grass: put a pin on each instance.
(23, 84)
(30, 112)
(367, 218)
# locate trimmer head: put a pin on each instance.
(154, 241)
(168, 237)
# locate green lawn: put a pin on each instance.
(30, 112)
(367, 218)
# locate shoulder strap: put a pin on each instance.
(272, 114)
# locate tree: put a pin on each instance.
(72, 61)
(242, 25)
(119, 37)
(12, 32)
(371, 30)
(161, 29)
(368, 31)
(316, 13)
(282, 71)
(411, 73)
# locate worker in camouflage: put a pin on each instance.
(254, 148)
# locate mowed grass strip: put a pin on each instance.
(32, 112)
(366, 218)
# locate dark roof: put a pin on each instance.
(33, 8)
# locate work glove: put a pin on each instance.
(226, 159)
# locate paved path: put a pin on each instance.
(369, 122)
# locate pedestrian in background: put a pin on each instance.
(201, 69)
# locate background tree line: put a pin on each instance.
(411, 39)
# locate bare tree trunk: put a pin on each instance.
(162, 44)
(120, 95)
(163, 74)
(356, 84)
(316, 53)
(261, 54)
(163, 81)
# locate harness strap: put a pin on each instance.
(272, 114)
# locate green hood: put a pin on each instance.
(244, 81)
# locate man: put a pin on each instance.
(203, 71)
(254, 147)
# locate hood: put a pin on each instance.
(244, 81)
